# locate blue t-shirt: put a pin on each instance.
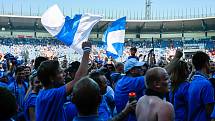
(70, 110)
(109, 97)
(2, 84)
(123, 87)
(180, 101)
(30, 101)
(103, 111)
(19, 93)
(115, 76)
(49, 104)
(200, 93)
(87, 118)
(213, 114)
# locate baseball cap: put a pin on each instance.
(132, 62)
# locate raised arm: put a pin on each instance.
(83, 68)
(174, 61)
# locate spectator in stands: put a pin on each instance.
(19, 87)
(152, 107)
(200, 92)
(131, 82)
(133, 52)
(179, 90)
(7, 104)
(50, 101)
(30, 98)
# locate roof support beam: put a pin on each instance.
(100, 28)
(161, 29)
(204, 25)
(182, 29)
(10, 25)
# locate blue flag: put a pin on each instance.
(114, 38)
(72, 32)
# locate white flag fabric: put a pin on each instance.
(114, 38)
(72, 32)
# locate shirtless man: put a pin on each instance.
(152, 107)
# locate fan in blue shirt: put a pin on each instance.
(179, 90)
(50, 101)
(133, 51)
(104, 110)
(131, 82)
(30, 99)
(19, 87)
(200, 92)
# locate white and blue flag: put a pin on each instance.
(72, 32)
(114, 38)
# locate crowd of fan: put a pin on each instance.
(51, 48)
(159, 43)
(107, 91)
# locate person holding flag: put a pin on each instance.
(74, 32)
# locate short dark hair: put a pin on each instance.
(46, 70)
(19, 69)
(86, 96)
(38, 61)
(73, 67)
(95, 74)
(7, 104)
(200, 59)
(134, 49)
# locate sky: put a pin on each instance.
(121, 6)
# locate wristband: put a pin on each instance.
(86, 49)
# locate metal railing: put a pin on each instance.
(114, 14)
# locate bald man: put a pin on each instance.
(152, 107)
(86, 97)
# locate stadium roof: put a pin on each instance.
(31, 23)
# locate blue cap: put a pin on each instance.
(132, 62)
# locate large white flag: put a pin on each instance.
(72, 32)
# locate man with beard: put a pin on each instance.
(50, 101)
